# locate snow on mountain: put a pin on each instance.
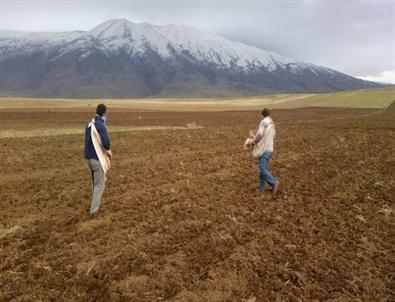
(135, 39)
(14, 43)
(122, 59)
(40, 37)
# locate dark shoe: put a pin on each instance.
(275, 189)
(93, 215)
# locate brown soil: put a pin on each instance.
(391, 108)
(182, 220)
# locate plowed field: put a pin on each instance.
(182, 219)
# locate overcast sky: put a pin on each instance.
(355, 37)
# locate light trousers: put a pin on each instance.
(98, 181)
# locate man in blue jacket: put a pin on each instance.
(98, 174)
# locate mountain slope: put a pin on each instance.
(122, 59)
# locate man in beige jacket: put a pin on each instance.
(263, 149)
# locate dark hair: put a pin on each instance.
(265, 112)
(101, 109)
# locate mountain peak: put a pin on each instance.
(121, 58)
(114, 27)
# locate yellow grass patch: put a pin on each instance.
(11, 133)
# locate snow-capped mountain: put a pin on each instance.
(123, 59)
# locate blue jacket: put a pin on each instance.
(90, 152)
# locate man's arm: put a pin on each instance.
(260, 133)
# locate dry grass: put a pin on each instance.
(364, 98)
(193, 125)
(11, 133)
(202, 104)
(9, 231)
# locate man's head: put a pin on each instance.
(101, 109)
(265, 112)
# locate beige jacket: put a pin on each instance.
(264, 137)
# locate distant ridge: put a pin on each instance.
(120, 59)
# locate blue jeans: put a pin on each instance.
(264, 175)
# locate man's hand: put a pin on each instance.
(109, 154)
(253, 137)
